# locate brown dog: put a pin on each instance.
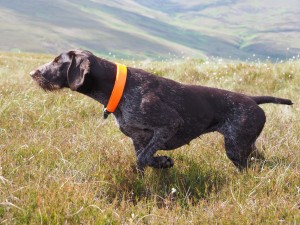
(158, 113)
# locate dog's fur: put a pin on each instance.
(158, 113)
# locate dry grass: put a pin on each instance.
(61, 163)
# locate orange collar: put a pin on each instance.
(117, 91)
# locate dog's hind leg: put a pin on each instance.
(240, 151)
(237, 152)
(241, 132)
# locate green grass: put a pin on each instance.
(61, 163)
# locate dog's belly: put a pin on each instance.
(188, 133)
(180, 139)
(176, 142)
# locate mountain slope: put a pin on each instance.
(153, 28)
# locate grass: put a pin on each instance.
(61, 163)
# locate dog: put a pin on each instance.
(158, 113)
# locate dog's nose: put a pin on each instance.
(34, 72)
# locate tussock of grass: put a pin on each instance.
(62, 163)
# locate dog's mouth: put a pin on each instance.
(44, 83)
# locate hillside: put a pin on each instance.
(143, 28)
(61, 163)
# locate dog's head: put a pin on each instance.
(66, 70)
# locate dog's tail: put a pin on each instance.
(270, 99)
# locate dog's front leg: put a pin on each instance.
(160, 136)
(155, 124)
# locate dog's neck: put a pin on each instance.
(100, 81)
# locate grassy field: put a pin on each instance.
(61, 163)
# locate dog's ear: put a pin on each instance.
(77, 71)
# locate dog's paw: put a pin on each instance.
(162, 162)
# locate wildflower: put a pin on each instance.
(173, 190)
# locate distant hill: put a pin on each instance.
(144, 28)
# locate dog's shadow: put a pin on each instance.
(180, 185)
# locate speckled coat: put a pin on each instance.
(159, 113)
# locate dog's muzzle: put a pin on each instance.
(35, 73)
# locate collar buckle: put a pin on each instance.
(105, 113)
